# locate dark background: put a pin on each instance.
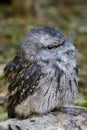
(18, 16)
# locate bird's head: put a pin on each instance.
(45, 43)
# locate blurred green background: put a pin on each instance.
(18, 16)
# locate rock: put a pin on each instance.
(67, 118)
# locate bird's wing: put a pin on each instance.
(12, 69)
(23, 82)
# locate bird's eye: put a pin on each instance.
(49, 47)
(52, 47)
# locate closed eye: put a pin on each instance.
(50, 47)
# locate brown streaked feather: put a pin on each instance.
(23, 84)
(12, 69)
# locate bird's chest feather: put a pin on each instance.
(58, 75)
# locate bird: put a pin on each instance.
(43, 74)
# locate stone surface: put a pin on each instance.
(67, 118)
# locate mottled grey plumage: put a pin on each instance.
(43, 74)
